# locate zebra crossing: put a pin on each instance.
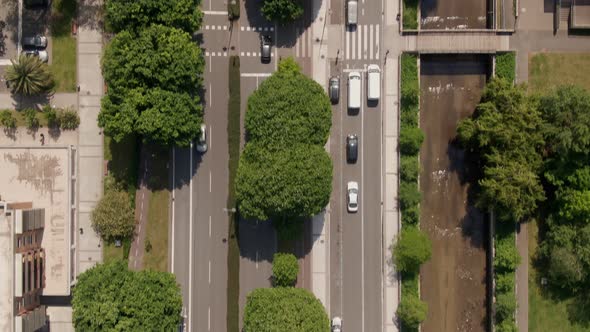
(303, 43)
(363, 43)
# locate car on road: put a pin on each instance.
(352, 197)
(42, 54)
(354, 90)
(334, 89)
(37, 41)
(352, 146)
(265, 48)
(351, 12)
(202, 143)
(336, 324)
(32, 4)
(373, 82)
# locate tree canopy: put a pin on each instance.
(288, 108)
(411, 250)
(287, 183)
(156, 56)
(113, 217)
(140, 14)
(412, 311)
(109, 297)
(284, 309)
(282, 11)
(284, 269)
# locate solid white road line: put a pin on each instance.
(347, 44)
(210, 96)
(209, 319)
(214, 12)
(359, 35)
(173, 202)
(190, 252)
(377, 42)
(209, 226)
(255, 74)
(353, 46)
(209, 62)
(364, 50)
(209, 181)
(209, 272)
(371, 42)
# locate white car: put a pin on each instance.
(352, 198)
(336, 324)
(42, 55)
(202, 143)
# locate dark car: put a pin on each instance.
(37, 41)
(32, 4)
(265, 48)
(352, 147)
(334, 89)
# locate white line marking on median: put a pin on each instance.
(255, 74)
(214, 12)
(209, 319)
(190, 252)
(209, 181)
(210, 96)
(209, 226)
(209, 272)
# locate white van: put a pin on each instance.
(373, 82)
(351, 12)
(354, 90)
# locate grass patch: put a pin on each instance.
(20, 118)
(545, 313)
(548, 70)
(410, 19)
(233, 141)
(156, 258)
(63, 63)
(506, 66)
(123, 158)
(63, 12)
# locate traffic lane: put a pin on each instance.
(373, 224)
(352, 226)
(250, 51)
(181, 221)
(217, 6)
(217, 154)
(337, 197)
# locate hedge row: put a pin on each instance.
(506, 260)
(411, 311)
(506, 66)
(410, 19)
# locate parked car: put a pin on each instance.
(352, 196)
(373, 82)
(41, 54)
(265, 48)
(351, 12)
(32, 4)
(37, 41)
(334, 89)
(202, 143)
(354, 90)
(336, 324)
(352, 143)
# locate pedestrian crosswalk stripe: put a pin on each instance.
(362, 43)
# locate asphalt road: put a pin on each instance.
(200, 221)
(356, 245)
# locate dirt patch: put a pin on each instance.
(453, 14)
(453, 282)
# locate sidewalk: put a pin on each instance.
(60, 100)
(90, 141)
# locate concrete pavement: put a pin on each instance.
(90, 140)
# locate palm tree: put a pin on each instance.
(29, 76)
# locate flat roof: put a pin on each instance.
(42, 176)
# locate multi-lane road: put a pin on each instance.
(199, 213)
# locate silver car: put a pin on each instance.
(202, 143)
(265, 48)
(336, 324)
(352, 197)
(37, 41)
(42, 55)
(334, 89)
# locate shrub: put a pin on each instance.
(113, 217)
(408, 195)
(410, 140)
(507, 257)
(505, 306)
(506, 66)
(409, 117)
(507, 325)
(412, 311)
(284, 269)
(68, 119)
(51, 116)
(31, 120)
(7, 120)
(409, 168)
(411, 215)
(505, 282)
(411, 250)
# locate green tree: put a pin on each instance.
(284, 309)
(113, 217)
(156, 56)
(505, 306)
(412, 311)
(109, 297)
(411, 250)
(410, 140)
(29, 76)
(507, 325)
(50, 115)
(409, 195)
(507, 257)
(7, 120)
(284, 269)
(68, 119)
(286, 183)
(565, 269)
(140, 14)
(409, 168)
(282, 11)
(288, 108)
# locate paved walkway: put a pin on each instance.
(468, 42)
(90, 142)
(60, 100)
(142, 204)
